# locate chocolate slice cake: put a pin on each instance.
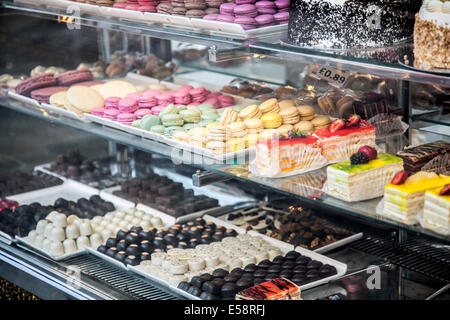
(414, 158)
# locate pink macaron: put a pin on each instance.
(98, 112)
(265, 20)
(225, 18)
(147, 101)
(246, 10)
(227, 8)
(213, 95)
(247, 23)
(164, 99)
(111, 114)
(112, 102)
(142, 112)
(156, 110)
(133, 95)
(119, 5)
(132, 6)
(225, 101)
(128, 105)
(281, 17)
(282, 4)
(126, 118)
(181, 97)
(211, 17)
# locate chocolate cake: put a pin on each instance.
(414, 158)
(351, 23)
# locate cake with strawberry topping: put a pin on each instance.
(283, 156)
(342, 138)
(404, 197)
(436, 212)
(348, 180)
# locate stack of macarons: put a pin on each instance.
(251, 14)
(138, 5)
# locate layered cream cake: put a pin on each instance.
(362, 181)
(340, 140)
(277, 156)
(436, 212)
(403, 202)
(432, 35)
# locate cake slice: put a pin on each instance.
(436, 212)
(357, 180)
(414, 158)
(279, 155)
(404, 201)
(277, 289)
(343, 138)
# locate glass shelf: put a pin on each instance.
(307, 187)
(382, 62)
(435, 118)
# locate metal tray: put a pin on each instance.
(106, 258)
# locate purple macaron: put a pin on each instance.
(227, 8)
(246, 10)
(265, 20)
(239, 2)
(211, 17)
(225, 18)
(282, 4)
(281, 17)
(247, 23)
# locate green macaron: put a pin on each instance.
(158, 129)
(136, 123)
(169, 109)
(206, 106)
(181, 108)
(170, 120)
(169, 131)
(204, 123)
(149, 121)
(190, 115)
(238, 108)
(210, 116)
(189, 126)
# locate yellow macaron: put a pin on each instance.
(271, 120)
(269, 106)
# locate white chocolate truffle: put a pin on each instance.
(166, 263)
(77, 222)
(247, 260)
(115, 220)
(109, 216)
(139, 213)
(107, 234)
(156, 222)
(120, 214)
(46, 244)
(82, 242)
(112, 226)
(56, 248)
(116, 229)
(60, 220)
(58, 234)
(234, 263)
(212, 261)
(69, 246)
(178, 267)
(104, 223)
(157, 258)
(71, 219)
(196, 264)
(96, 240)
(123, 224)
(85, 229)
(129, 226)
(48, 230)
(129, 218)
(51, 216)
(147, 217)
(39, 241)
(99, 229)
(31, 236)
(40, 227)
(96, 219)
(260, 256)
(273, 252)
(136, 221)
(130, 211)
(72, 231)
(145, 224)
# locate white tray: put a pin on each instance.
(106, 258)
(43, 168)
(24, 99)
(340, 267)
(339, 243)
(23, 243)
(284, 246)
(63, 112)
(68, 190)
(6, 238)
(137, 270)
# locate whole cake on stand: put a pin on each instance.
(432, 35)
(346, 24)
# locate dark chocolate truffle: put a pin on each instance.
(278, 260)
(288, 264)
(132, 238)
(244, 284)
(314, 264)
(231, 278)
(250, 268)
(292, 255)
(229, 290)
(302, 260)
(220, 273)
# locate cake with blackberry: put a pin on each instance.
(432, 35)
(344, 24)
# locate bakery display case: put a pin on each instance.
(203, 151)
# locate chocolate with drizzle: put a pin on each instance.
(414, 158)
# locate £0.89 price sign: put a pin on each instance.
(335, 77)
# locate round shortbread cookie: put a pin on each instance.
(83, 98)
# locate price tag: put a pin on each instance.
(335, 77)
